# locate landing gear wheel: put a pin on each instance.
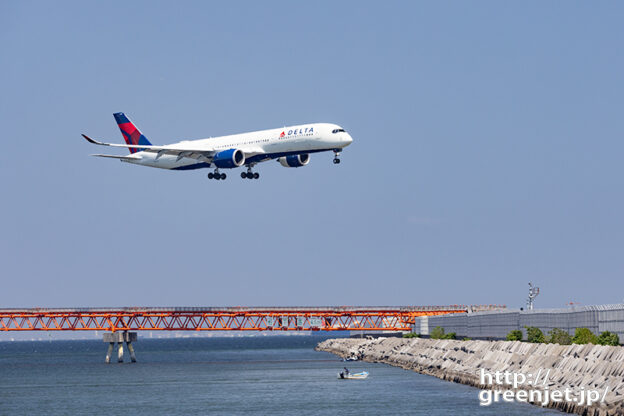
(216, 175)
(223, 176)
(336, 154)
(249, 174)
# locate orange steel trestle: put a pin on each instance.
(223, 319)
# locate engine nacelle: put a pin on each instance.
(227, 159)
(294, 161)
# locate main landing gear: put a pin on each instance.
(249, 174)
(216, 175)
(336, 159)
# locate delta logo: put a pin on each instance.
(307, 130)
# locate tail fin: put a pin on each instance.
(131, 134)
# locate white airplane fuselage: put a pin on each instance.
(258, 146)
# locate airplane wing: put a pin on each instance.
(252, 151)
(204, 155)
(199, 154)
(130, 157)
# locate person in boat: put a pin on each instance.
(346, 371)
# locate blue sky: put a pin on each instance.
(487, 153)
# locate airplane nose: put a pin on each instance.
(348, 139)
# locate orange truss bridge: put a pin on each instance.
(344, 318)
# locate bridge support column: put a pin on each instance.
(109, 353)
(131, 350)
(120, 338)
(120, 352)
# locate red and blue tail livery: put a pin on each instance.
(290, 146)
(131, 134)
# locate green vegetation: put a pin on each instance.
(559, 336)
(515, 335)
(437, 333)
(608, 338)
(535, 335)
(411, 335)
(584, 336)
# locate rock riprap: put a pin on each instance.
(576, 367)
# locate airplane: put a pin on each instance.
(290, 146)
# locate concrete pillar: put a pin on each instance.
(120, 338)
(109, 353)
(131, 349)
(120, 352)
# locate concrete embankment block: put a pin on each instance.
(578, 367)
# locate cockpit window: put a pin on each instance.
(337, 130)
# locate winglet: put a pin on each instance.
(90, 140)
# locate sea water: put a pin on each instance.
(263, 375)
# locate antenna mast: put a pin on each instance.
(533, 292)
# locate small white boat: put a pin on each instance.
(353, 376)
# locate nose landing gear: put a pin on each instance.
(336, 159)
(249, 174)
(216, 175)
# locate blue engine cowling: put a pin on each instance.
(294, 161)
(227, 159)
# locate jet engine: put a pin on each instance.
(231, 158)
(294, 161)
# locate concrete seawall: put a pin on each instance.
(571, 366)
